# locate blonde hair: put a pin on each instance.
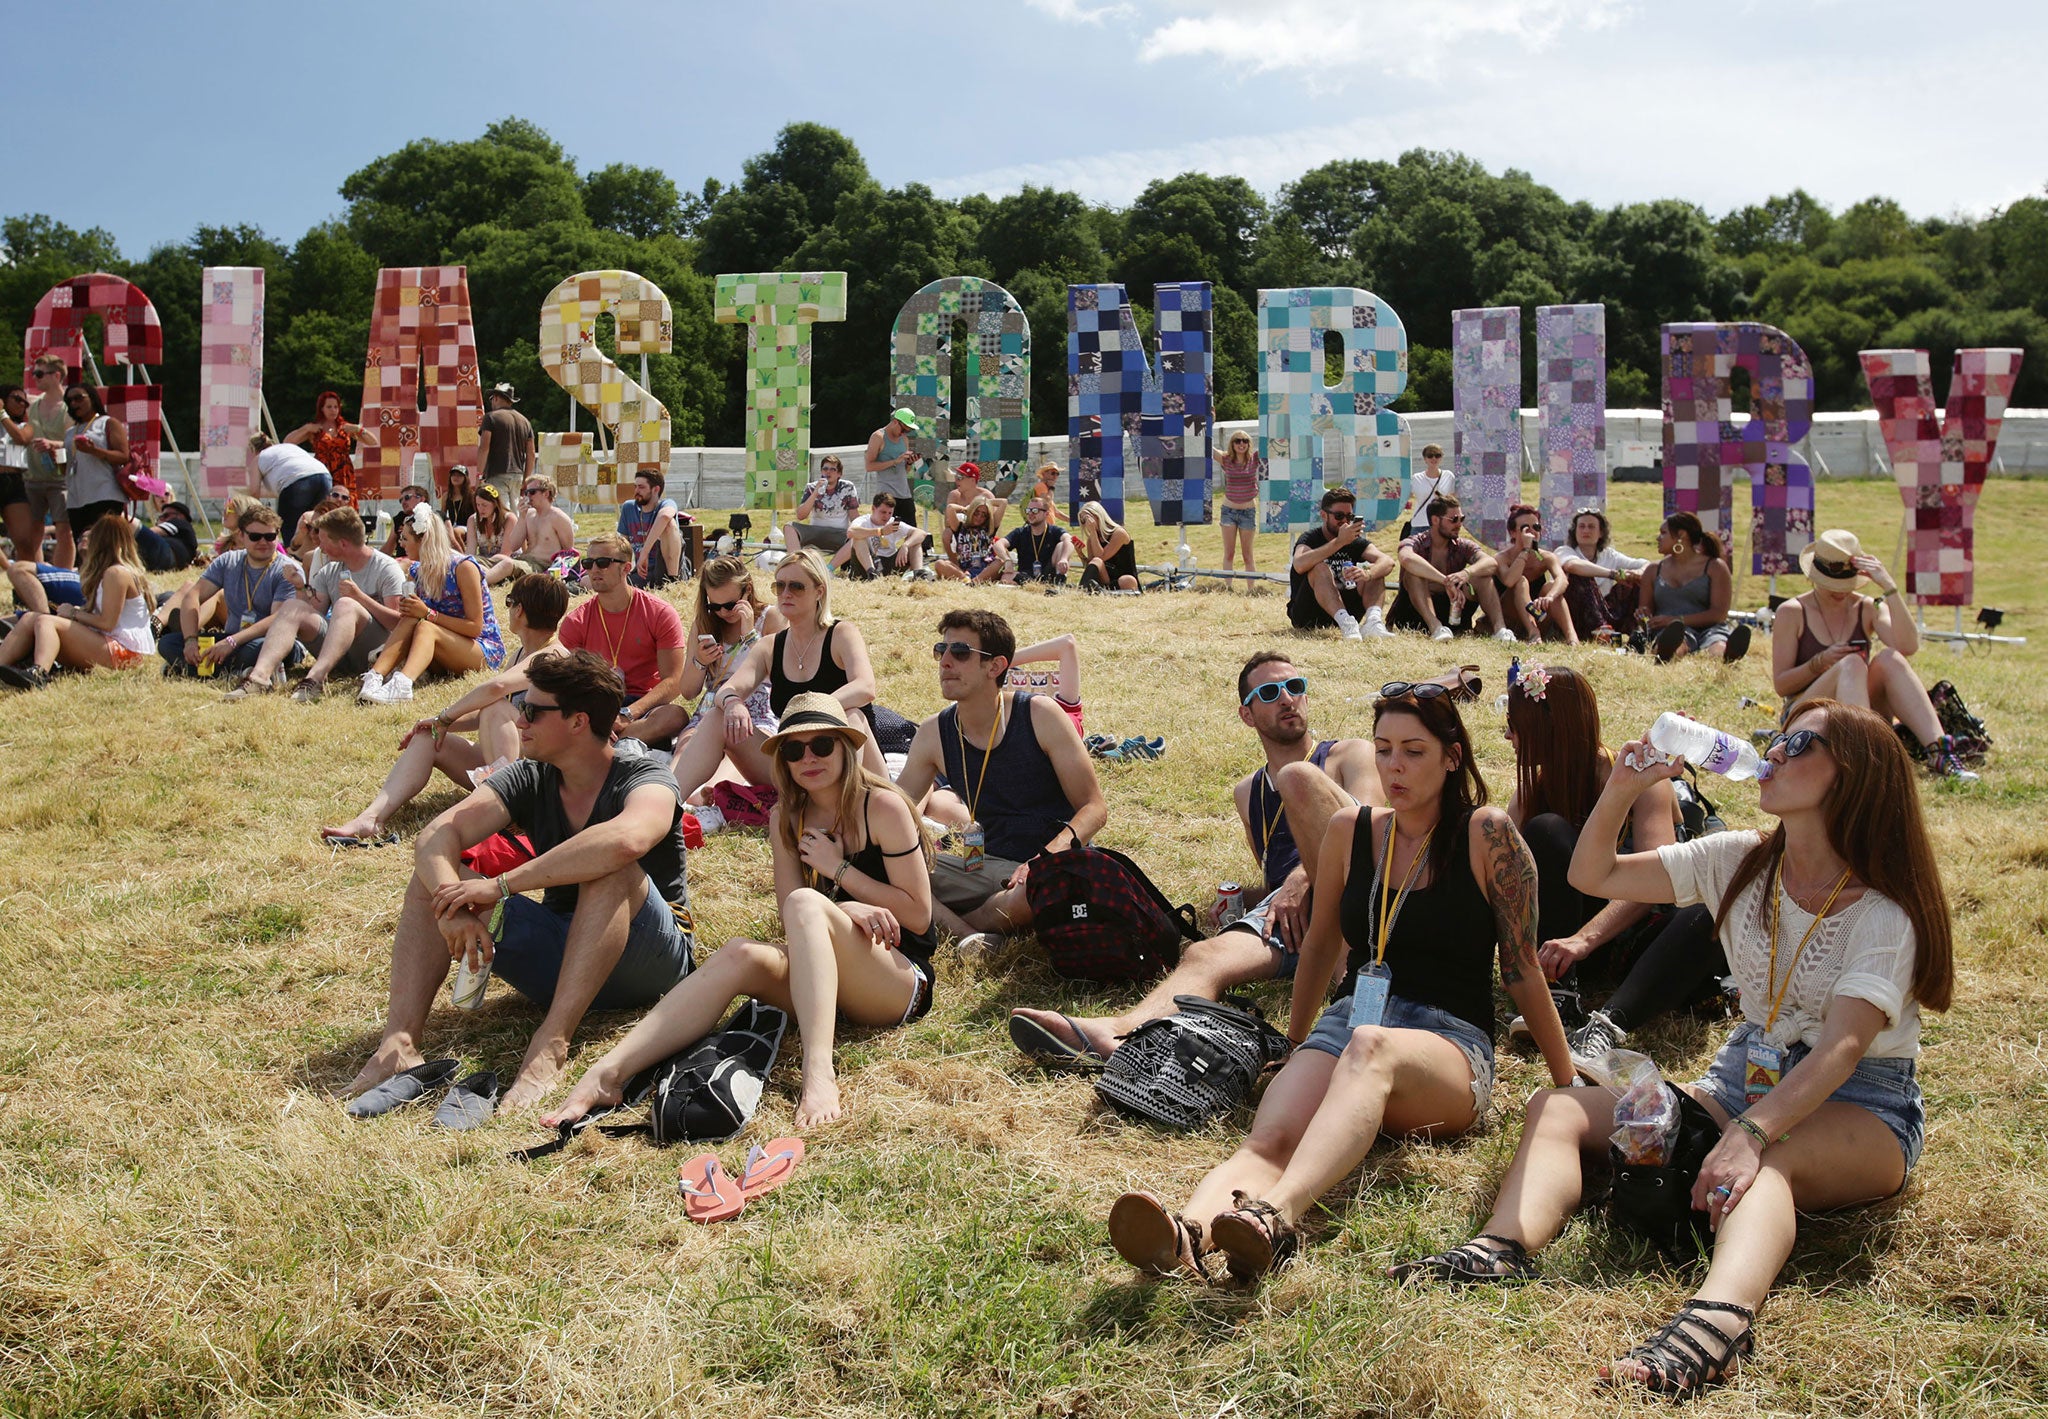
(820, 579)
(232, 511)
(609, 542)
(110, 543)
(1100, 523)
(856, 782)
(543, 482)
(436, 552)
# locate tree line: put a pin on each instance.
(1430, 232)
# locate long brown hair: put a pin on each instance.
(1558, 757)
(1874, 822)
(1463, 789)
(723, 572)
(111, 541)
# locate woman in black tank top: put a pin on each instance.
(816, 654)
(1425, 891)
(853, 879)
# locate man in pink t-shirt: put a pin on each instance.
(635, 630)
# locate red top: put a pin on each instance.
(629, 639)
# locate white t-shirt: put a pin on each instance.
(1422, 488)
(886, 544)
(832, 507)
(1611, 557)
(283, 464)
(1865, 951)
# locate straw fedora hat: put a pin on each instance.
(1829, 560)
(811, 713)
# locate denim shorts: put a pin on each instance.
(657, 955)
(1333, 1031)
(1244, 517)
(1285, 958)
(1888, 1087)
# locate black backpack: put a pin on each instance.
(1099, 918)
(1187, 1068)
(1654, 1200)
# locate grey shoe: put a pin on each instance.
(405, 1087)
(308, 691)
(1591, 1042)
(249, 690)
(470, 1103)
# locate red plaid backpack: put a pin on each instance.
(1099, 917)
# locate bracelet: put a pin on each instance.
(503, 891)
(1748, 1126)
(839, 877)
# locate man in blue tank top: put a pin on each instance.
(1288, 800)
(888, 462)
(1016, 760)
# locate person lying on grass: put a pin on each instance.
(612, 930)
(533, 608)
(1419, 896)
(1837, 929)
(851, 878)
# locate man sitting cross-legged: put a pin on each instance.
(346, 609)
(1017, 762)
(255, 582)
(1283, 804)
(539, 534)
(612, 931)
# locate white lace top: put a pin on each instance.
(1864, 951)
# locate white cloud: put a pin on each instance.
(1075, 12)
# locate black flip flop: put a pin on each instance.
(405, 1087)
(1738, 644)
(1044, 1047)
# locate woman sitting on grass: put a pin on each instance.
(1838, 932)
(111, 628)
(447, 622)
(1686, 593)
(1589, 559)
(971, 553)
(1421, 895)
(853, 879)
(1112, 556)
(533, 609)
(728, 624)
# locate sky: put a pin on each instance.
(243, 112)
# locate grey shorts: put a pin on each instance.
(657, 954)
(825, 539)
(964, 890)
(1256, 921)
(1700, 637)
(1887, 1087)
(1333, 1032)
(45, 504)
(1246, 518)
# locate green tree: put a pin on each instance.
(1653, 263)
(785, 195)
(638, 202)
(408, 207)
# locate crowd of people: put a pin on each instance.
(1393, 893)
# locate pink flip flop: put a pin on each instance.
(710, 1193)
(770, 1167)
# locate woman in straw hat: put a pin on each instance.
(852, 875)
(1822, 647)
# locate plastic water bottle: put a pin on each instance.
(1187, 553)
(1705, 747)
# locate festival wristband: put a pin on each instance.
(1763, 1140)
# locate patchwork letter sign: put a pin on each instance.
(131, 335)
(230, 374)
(1114, 394)
(1571, 396)
(778, 309)
(998, 413)
(1702, 441)
(1486, 416)
(1940, 466)
(1312, 431)
(637, 422)
(421, 337)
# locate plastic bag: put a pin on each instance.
(1646, 1115)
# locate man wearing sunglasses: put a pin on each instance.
(1018, 763)
(612, 930)
(635, 630)
(1338, 578)
(1286, 802)
(828, 508)
(542, 531)
(254, 581)
(409, 497)
(1441, 570)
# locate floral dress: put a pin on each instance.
(336, 452)
(449, 603)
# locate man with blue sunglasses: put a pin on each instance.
(1286, 802)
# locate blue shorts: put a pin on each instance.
(657, 954)
(1888, 1087)
(1333, 1032)
(1244, 517)
(1285, 958)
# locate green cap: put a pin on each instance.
(907, 418)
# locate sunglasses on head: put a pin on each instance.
(1795, 743)
(592, 563)
(818, 746)
(530, 712)
(260, 536)
(1272, 690)
(1411, 690)
(959, 650)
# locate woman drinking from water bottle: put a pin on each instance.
(1421, 895)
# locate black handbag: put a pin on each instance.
(1188, 1067)
(1654, 1200)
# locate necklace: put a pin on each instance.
(625, 625)
(1856, 614)
(801, 669)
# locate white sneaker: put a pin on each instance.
(397, 690)
(1347, 625)
(981, 945)
(1504, 634)
(373, 686)
(1376, 624)
(1441, 633)
(709, 818)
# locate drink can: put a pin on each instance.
(206, 667)
(1229, 904)
(973, 847)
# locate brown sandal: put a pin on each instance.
(1154, 1240)
(1253, 1236)
(1463, 683)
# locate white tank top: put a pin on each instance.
(132, 630)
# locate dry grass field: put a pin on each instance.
(190, 1225)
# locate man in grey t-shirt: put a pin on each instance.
(346, 610)
(504, 443)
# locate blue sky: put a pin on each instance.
(236, 111)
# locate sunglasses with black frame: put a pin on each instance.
(530, 712)
(1411, 690)
(593, 563)
(818, 746)
(959, 650)
(1295, 685)
(1795, 743)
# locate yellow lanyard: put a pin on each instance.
(960, 734)
(625, 626)
(1771, 981)
(1387, 913)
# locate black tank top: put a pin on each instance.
(828, 678)
(1018, 802)
(1278, 854)
(1442, 947)
(919, 946)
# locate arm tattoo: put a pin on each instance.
(1511, 891)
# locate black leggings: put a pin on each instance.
(1673, 971)
(1561, 908)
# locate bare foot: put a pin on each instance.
(538, 1073)
(819, 1104)
(1096, 1034)
(390, 1058)
(594, 1090)
(360, 826)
